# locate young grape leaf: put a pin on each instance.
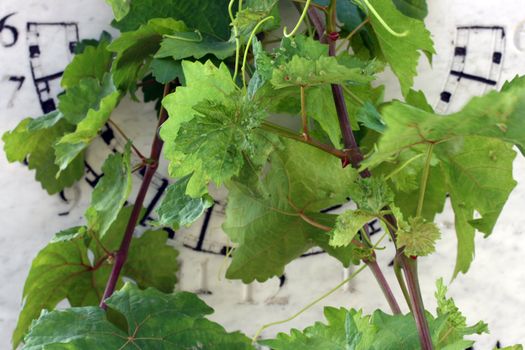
(369, 116)
(177, 209)
(417, 9)
(33, 139)
(71, 145)
(348, 225)
(154, 320)
(274, 222)
(418, 238)
(346, 329)
(456, 325)
(401, 52)
(120, 8)
(134, 48)
(211, 131)
(350, 329)
(208, 17)
(94, 62)
(88, 94)
(110, 193)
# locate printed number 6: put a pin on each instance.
(4, 27)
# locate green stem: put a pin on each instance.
(279, 130)
(382, 21)
(353, 32)
(304, 117)
(301, 19)
(424, 180)
(401, 281)
(237, 39)
(325, 295)
(246, 50)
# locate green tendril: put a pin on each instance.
(236, 34)
(246, 50)
(186, 38)
(325, 295)
(382, 21)
(301, 19)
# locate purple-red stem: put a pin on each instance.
(122, 254)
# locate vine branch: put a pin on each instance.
(122, 254)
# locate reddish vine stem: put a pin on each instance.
(352, 149)
(122, 254)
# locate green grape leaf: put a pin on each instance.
(88, 94)
(135, 47)
(196, 45)
(111, 192)
(269, 220)
(456, 325)
(209, 17)
(57, 270)
(152, 262)
(211, 130)
(401, 52)
(300, 71)
(348, 225)
(177, 209)
(370, 117)
(418, 237)
(350, 329)
(346, 329)
(167, 70)
(154, 320)
(419, 100)
(473, 156)
(512, 347)
(34, 139)
(417, 9)
(71, 145)
(120, 8)
(63, 269)
(373, 194)
(94, 62)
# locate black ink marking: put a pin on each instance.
(335, 207)
(154, 201)
(460, 51)
(445, 96)
(11, 29)
(204, 227)
(42, 75)
(373, 229)
(484, 28)
(282, 280)
(391, 263)
(461, 75)
(19, 81)
(107, 135)
(496, 57)
(90, 172)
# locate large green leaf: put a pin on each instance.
(72, 144)
(64, 270)
(401, 52)
(196, 45)
(135, 47)
(265, 219)
(413, 8)
(472, 159)
(111, 192)
(209, 17)
(211, 131)
(87, 95)
(350, 329)
(94, 62)
(177, 209)
(155, 321)
(120, 8)
(33, 139)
